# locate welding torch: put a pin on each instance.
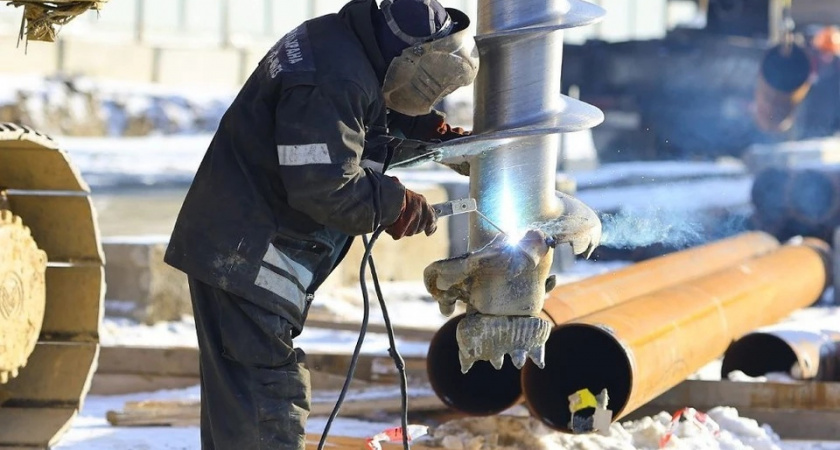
(467, 205)
(461, 206)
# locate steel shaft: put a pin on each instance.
(518, 114)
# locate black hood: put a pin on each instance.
(358, 15)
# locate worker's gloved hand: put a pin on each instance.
(416, 215)
(428, 128)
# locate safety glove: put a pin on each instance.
(430, 127)
(415, 216)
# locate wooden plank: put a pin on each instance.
(33, 427)
(62, 225)
(403, 332)
(121, 383)
(766, 395)
(74, 303)
(183, 361)
(370, 367)
(37, 169)
(173, 361)
(187, 412)
(56, 374)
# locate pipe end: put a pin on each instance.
(578, 356)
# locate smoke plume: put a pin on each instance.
(632, 229)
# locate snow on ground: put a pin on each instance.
(150, 161)
(91, 431)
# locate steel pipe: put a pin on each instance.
(782, 85)
(486, 391)
(641, 348)
(806, 351)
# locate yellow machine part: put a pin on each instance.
(22, 294)
(46, 194)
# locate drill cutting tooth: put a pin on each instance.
(519, 357)
(446, 308)
(4, 377)
(466, 362)
(538, 356)
(498, 362)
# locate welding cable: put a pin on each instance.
(355, 359)
(392, 350)
(399, 362)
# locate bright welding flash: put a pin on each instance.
(515, 236)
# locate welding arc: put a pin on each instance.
(490, 222)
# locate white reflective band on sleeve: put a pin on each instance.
(301, 155)
(373, 165)
(281, 286)
(277, 259)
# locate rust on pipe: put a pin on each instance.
(806, 351)
(783, 83)
(486, 391)
(642, 348)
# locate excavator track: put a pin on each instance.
(50, 251)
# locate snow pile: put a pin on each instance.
(80, 106)
(514, 433)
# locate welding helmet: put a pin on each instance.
(431, 67)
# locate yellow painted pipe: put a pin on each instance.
(486, 391)
(641, 348)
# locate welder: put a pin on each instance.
(294, 172)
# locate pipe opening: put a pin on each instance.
(816, 197)
(482, 391)
(758, 354)
(786, 70)
(577, 356)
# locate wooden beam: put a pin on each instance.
(803, 410)
(187, 412)
(124, 383)
(764, 395)
(402, 332)
(183, 362)
(157, 361)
